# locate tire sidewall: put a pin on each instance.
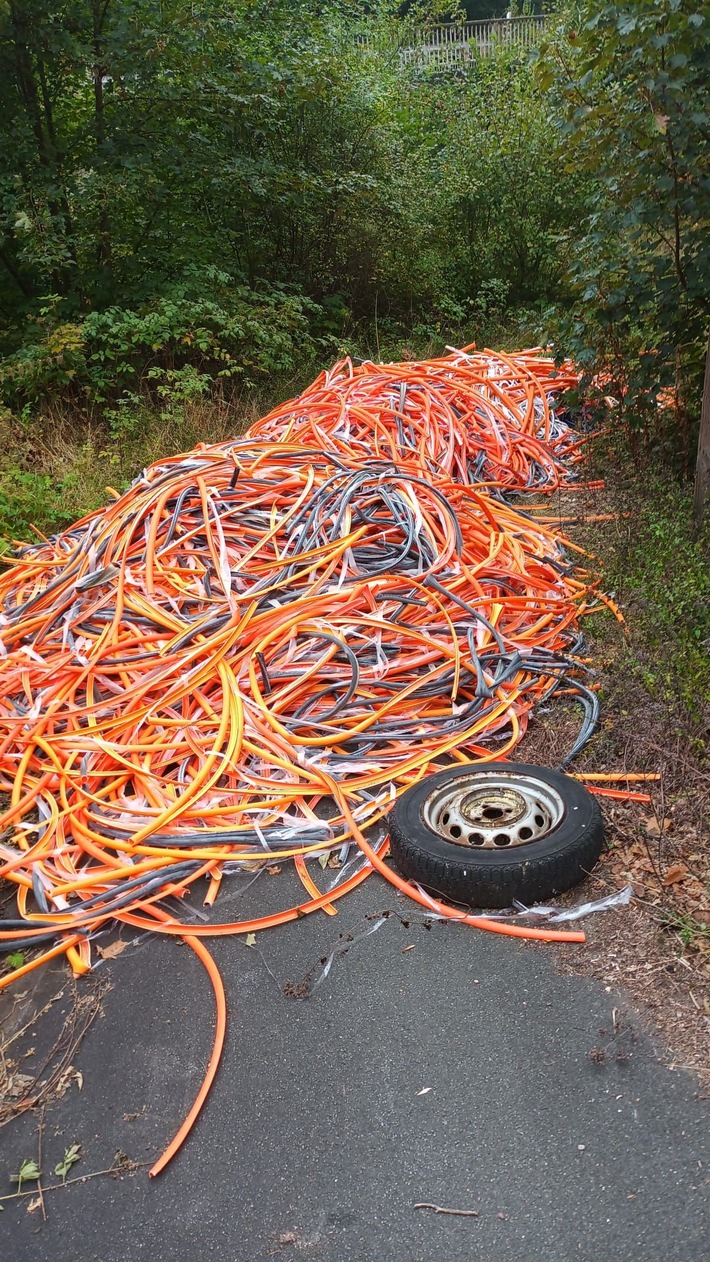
(581, 816)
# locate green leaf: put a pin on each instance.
(29, 1171)
(70, 1158)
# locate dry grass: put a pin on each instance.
(57, 467)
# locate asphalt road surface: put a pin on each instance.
(465, 1073)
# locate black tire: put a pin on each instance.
(478, 877)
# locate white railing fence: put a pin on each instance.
(461, 42)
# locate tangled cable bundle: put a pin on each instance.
(247, 655)
(478, 418)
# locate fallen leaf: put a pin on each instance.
(409, 948)
(323, 860)
(64, 1083)
(654, 828)
(112, 950)
(334, 862)
(662, 121)
(423, 1090)
(250, 939)
(273, 869)
(676, 872)
(29, 1170)
(70, 1158)
(17, 1085)
(79, 1079)
(34, 1204)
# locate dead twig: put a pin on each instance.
(18, 1033)
(40, 1190)
(58, 1060)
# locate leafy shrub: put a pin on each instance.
(628, 94)
(234, 332)
(28, 498)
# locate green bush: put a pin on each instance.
(628, 97)
(331, 181)
(28, 498)
(229, 331)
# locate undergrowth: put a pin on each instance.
(658, 566)
(59, 464)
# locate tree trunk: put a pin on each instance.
(99, 11)
(701, 502)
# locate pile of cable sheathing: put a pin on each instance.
(478, 419)
(246, 656)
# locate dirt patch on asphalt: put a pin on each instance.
(628, 951)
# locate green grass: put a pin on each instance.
(659, 566)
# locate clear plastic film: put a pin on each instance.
(551, 914)
(555, 915)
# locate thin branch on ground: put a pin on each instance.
(125, 1165)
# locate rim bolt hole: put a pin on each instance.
(455, 830)
(501, 839)
(525, 834)
(540, 821)
(476, 839)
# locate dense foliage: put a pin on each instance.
(226, 190)
(629, 88)
(146, 145)
(234, 183)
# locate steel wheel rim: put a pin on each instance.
(493, 810)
